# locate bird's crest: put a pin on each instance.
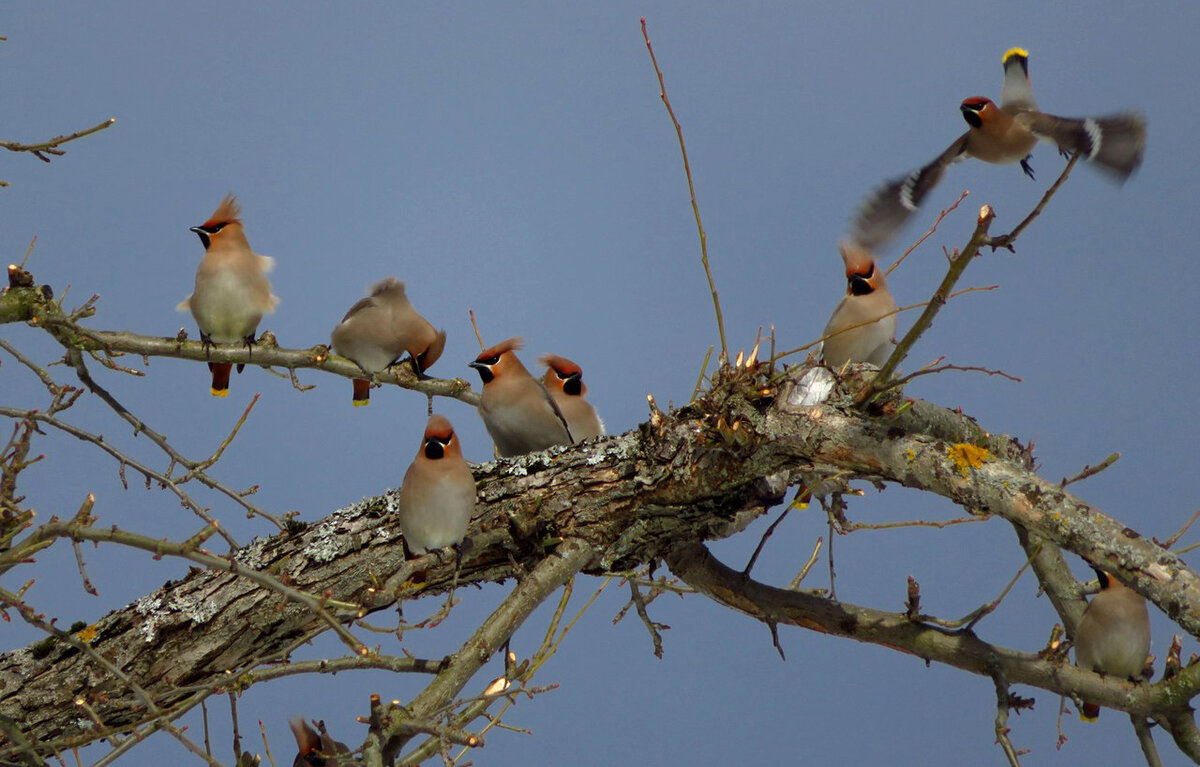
(227, 212)
(858, 259)
(387, 285)
(1011, 53)
(507, 345)
(560, 365)
(439, 426)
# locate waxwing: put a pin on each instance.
(863, 323)
(516, 409)
(379, 329)
(232, 292)
(438, 495)
(564, 381)
(1004, 134)
(315, 749)
(1113, 637)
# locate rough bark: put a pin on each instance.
(698, 474)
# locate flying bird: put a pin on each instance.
(517, 410)
(564, 381)
(1113, 637)
(1004, 134)
(232, 292)
(863, 323)
(379, 329)
(438, 495)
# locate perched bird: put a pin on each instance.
(516, 409)
(867, 298)
(1004, 134)
(232, 292)
(438, 494)
(564, 381)
(1113, 636)
(379, 329)
(316, 749)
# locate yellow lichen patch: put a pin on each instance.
(87, 634)
(967, 456)
(910, 454)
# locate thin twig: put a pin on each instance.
(1006, 240)
(1091, 471)
(1002, 721)
(651, 626)
(928, 233)
(812, 560)
(1146, 740)
(28, 251)
(940, 296)
(51, 146)
(853, 526)
(1179, 534)
(971, 619)
(898, 310)
(933, 367)
(763, 541)
(703, 370)
(687, 168)
(475, 325)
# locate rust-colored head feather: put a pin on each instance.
(562, 375)
(858, 259)
(228, 212)
(976, 102)
(439, 442)
(433, 352)
(507, 345)
(560, 364)
(438, 426)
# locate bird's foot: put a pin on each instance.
(1025, 166)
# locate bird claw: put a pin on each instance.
(1025, 166)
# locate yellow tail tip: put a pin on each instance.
(1089, 719)
(361, 402)
(1011, 52)
(220, 392)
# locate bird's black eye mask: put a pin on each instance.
(860, 284)
(435, 447)
(205, 233)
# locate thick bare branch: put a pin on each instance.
(627, 500)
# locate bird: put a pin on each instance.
(232, 292)
(867, 300)
(564, 380)
(515, 407)
(316, 749)
(379, 329)
(1004, 134)
(438, 495)
(1113, 636)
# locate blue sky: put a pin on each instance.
(518, 161)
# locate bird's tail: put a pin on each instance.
(220, 378)
(362, 392)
